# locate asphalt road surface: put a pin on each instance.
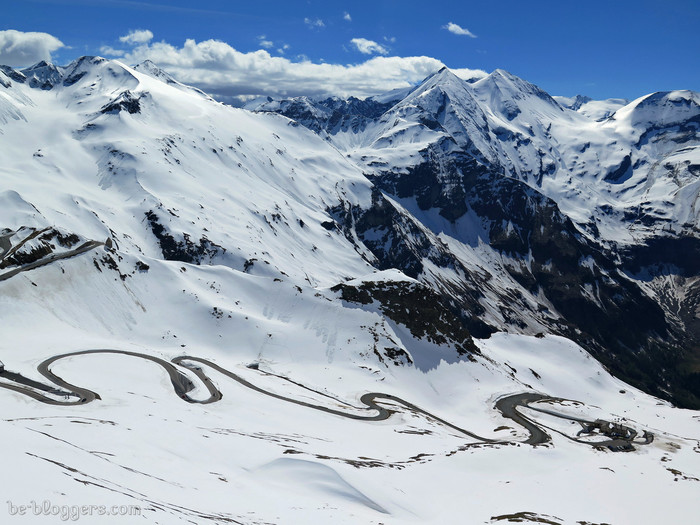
(61, 392)
(86, 246)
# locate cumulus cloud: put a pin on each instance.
(264, 42)
(458, 30)
(314, 23)
(110, 51)
(471, 75)
(18, 48)
(347, 17)
(368, 47)
(232, 76)
(137, 36)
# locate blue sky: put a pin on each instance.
(601, 49)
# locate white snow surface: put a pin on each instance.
(258, 185)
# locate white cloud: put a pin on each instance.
(18, 48)
(368, 47)
(264, 42)
(347, 17)
(110, 51)
(314, 23)
(137, 36)
(458, 30)
(230, 75)
(282, 50)
(471, 75)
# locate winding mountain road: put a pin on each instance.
(85, 247)
(67, 394)
(63, 393)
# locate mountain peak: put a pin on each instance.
(148, 63)
(443, 74)
(43, 75)
(505, 80)
(444, 80)
(13, 74)
(151, 69)
(86, 60)
(507, 92)
(663, 108)
(38, 65)
(504, 74)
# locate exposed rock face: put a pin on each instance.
(417, 307)
(126, 101)
(184, 250)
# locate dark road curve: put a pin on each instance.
(182, 385)
(85, 247)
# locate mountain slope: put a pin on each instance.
(569, 212)
(203, 306)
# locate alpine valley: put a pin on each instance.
(464, 302)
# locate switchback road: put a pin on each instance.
(63, 393)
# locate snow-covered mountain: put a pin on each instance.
(591, 225)
(362, 306)
(594, 109)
